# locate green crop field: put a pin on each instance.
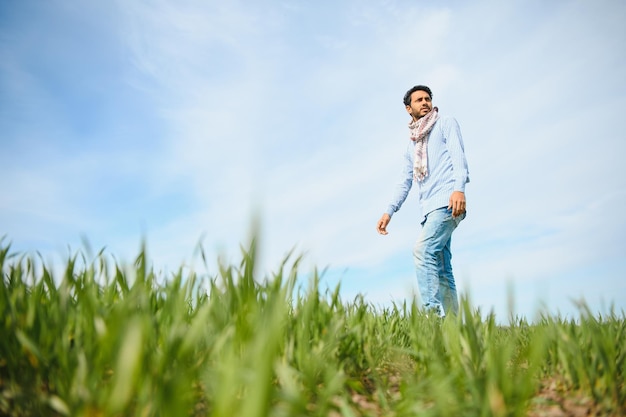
(104, 339)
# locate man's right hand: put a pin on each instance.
(382, 224)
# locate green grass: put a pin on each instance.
(106, 339)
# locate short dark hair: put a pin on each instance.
(407, 96)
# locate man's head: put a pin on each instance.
(418, 101)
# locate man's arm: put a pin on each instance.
(456, 150)
(401, 192)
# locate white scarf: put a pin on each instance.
(420, 129)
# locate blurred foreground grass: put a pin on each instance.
(109, 340)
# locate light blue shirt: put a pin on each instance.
(447, 169)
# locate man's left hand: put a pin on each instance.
(457, 203)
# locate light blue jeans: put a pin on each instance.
(433, 264)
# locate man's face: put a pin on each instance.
(420, 104)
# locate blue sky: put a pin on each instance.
(177, 121)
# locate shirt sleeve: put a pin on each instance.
(456, 150)
(404, 184)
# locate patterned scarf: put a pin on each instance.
(420, 129)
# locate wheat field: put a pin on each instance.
(104, 339)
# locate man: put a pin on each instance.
(435, 160)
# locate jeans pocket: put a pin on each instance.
(457, 219)
(460, 217)
(448, 215)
